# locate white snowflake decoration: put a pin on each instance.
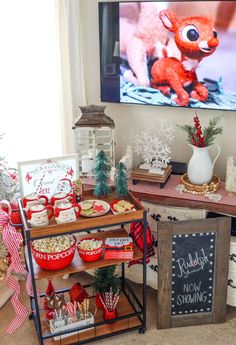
(153, 146)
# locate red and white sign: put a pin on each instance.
(48, 176)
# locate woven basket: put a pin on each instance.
(210, 187)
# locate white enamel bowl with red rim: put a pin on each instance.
(90, 255)
(54, 261)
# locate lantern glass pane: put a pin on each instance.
(89, 141)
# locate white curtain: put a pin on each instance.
(72, 72)
(30, 114)
(41, 77)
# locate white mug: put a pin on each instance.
(62, 197)
(67, 212)
(39, 215)
(34, 199)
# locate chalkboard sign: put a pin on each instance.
(193, 270)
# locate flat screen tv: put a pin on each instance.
(172, 53)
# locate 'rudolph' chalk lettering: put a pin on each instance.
(192, 264)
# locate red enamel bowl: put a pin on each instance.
(90, 255)
(54, 261)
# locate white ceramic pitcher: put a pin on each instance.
(200, 166)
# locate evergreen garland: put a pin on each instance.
(202, 137)
(121, 181)
(105, 278)
(212, 131)
(101, 175)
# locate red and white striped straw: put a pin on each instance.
(39, 187)
(116, 300)
(101, 299)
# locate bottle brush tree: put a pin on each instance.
(101, 175)
(121, 181)
(105, 278)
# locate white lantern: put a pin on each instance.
(94, 131)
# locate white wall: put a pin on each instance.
(130, 119)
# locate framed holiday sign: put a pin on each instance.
(193, 259)
(48, 176)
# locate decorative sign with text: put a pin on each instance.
(192, 273)
(193, 260)
(48, 176)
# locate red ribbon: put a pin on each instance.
(12, 240)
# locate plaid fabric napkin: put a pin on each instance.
(136, 232)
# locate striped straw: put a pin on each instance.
(115, 300)
(39, 187)
(101, 299)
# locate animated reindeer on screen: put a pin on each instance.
(196, 38)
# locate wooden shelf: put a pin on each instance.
(78, 265)
(124, 308)
(84, 223)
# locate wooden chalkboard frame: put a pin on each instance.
(166, 230)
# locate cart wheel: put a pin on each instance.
(31, 315)
(142, 330)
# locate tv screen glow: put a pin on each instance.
(169, 53)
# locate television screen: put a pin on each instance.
(175, 53)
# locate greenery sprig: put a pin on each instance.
(202, 137)
(105, 278)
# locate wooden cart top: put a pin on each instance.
(84, 223)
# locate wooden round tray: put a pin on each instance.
(210, 187)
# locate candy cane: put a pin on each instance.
(71, 309)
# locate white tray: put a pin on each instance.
(71, 326)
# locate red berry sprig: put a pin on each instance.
(198, 139)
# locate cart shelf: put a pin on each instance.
(84, 223)
(124, 309)
(78, 265)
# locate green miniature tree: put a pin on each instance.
(121, 181)
(101, 175)
(105, 278)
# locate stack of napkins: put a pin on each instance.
(119, 248)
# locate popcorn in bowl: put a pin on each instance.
(90, 244)
(90, 249)
(54, 253)
(53, 244)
